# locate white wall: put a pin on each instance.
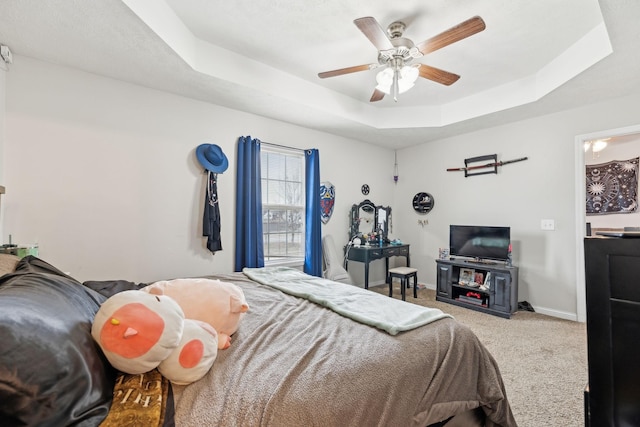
(627, 149)
(103, 174)
(519, 196)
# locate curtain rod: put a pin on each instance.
(283, 146)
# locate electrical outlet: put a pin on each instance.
(5, 54)
(547, 224)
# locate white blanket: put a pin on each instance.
(370, 308)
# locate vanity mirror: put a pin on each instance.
(362, 219)
(383, 220)
(367, 218)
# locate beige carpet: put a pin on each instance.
(543, 360)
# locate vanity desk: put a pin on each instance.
(366, 220)
(366, 254)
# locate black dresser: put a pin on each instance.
(366, 254)
(612, 267)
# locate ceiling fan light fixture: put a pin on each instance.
(395, 51)
(407, 76)
(385, 79)
(404, 86)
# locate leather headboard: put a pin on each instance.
(52, 373)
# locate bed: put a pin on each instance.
(295, 362)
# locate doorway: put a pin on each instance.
(581, 216)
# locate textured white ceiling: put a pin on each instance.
(263, 57)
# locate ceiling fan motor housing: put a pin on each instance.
(396, 29)
(403, 48)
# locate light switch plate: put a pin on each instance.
(547, 224)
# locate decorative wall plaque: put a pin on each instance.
(423, 203)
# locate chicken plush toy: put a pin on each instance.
(219, 304)
(139, 331)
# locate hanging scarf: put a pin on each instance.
(211, 218)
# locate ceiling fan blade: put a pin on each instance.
(437, 75)
(374, 32)
(347, 70)
(461, 31)
(377, 95)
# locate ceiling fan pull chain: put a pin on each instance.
(396, 64)
(395, 84)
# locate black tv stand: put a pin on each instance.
(499, 298)
(481, 261)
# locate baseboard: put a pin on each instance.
(555, 313)
(376, 283)
(542, 310)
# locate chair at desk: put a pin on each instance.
(333, 262)
(404, 274)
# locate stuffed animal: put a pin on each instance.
(138, 332)
(194, 356)
(220, 304)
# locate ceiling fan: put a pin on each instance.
(396, 54)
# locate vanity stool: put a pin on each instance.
(404, 274)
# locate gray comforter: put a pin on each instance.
(295, 363)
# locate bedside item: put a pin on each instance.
(20, 251)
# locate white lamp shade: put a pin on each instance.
(406, 79)
(385, 79)
(409, 74)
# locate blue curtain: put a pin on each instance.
(313, 231)
(249, 244)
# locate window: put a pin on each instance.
(283, 205)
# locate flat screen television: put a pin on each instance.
(479, 242)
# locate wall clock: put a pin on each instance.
(365, 189)
(423, 203)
